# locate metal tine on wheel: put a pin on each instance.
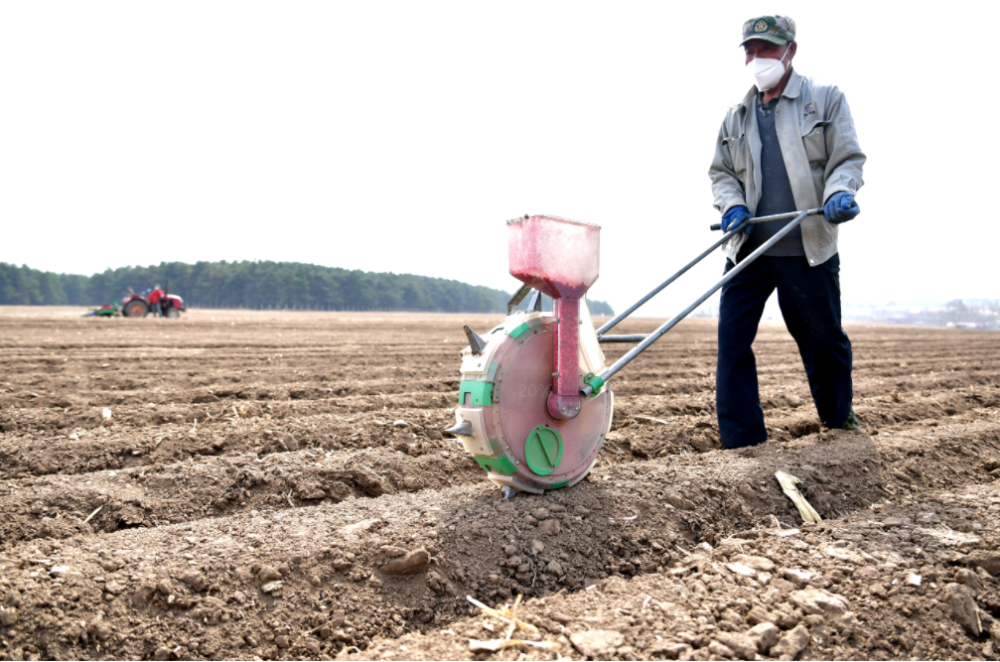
(535, 302)
(517, 298)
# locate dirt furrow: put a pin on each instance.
(891, 583)
(61, 505)
(637, 520)
(171, 433)
(316, 510)
(399, 560)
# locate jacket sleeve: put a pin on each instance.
(845, 161)
(727, 190)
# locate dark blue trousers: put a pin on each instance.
(809, 298)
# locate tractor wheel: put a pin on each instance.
(136, 309)
(172, 313)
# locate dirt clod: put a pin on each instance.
(818, 601)
(268, 573)
(791, 644)
(410, 563)
(743, 646)
(599, 644)
(963, 608)
(195, 580)
(764, 636)
(549, 527)
(8, 616)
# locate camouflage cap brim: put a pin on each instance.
(766, 37)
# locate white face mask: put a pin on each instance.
(767, 71)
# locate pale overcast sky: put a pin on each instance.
(399, 136)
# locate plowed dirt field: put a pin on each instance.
(276, 485)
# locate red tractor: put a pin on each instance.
(138, 305)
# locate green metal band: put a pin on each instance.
(519, 331)
(502, 464)
(556, 486)
(595, 382)
(481, 392)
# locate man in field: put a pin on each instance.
(155, 298)
(789, 145)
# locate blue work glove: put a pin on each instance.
(734, 217)
(841, 207)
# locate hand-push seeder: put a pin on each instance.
(532, 407)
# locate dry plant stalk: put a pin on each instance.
(503, 616)
(507, 615)
(788, 485)
(513, 617)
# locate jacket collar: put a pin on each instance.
(794, 86)
(792, 90)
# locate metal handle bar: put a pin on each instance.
(634, 307)
(634, 337)
(773, 217)
(612, 323)
(656, 335)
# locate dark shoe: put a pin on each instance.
(851, 423)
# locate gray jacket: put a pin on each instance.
(820, 149)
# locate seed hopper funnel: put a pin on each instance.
(559, 258)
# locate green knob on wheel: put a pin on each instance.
(543, 450)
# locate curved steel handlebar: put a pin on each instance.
(611, 370)
(774, 217)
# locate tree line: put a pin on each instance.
(258, 285)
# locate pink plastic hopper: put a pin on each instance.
(559, 258)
